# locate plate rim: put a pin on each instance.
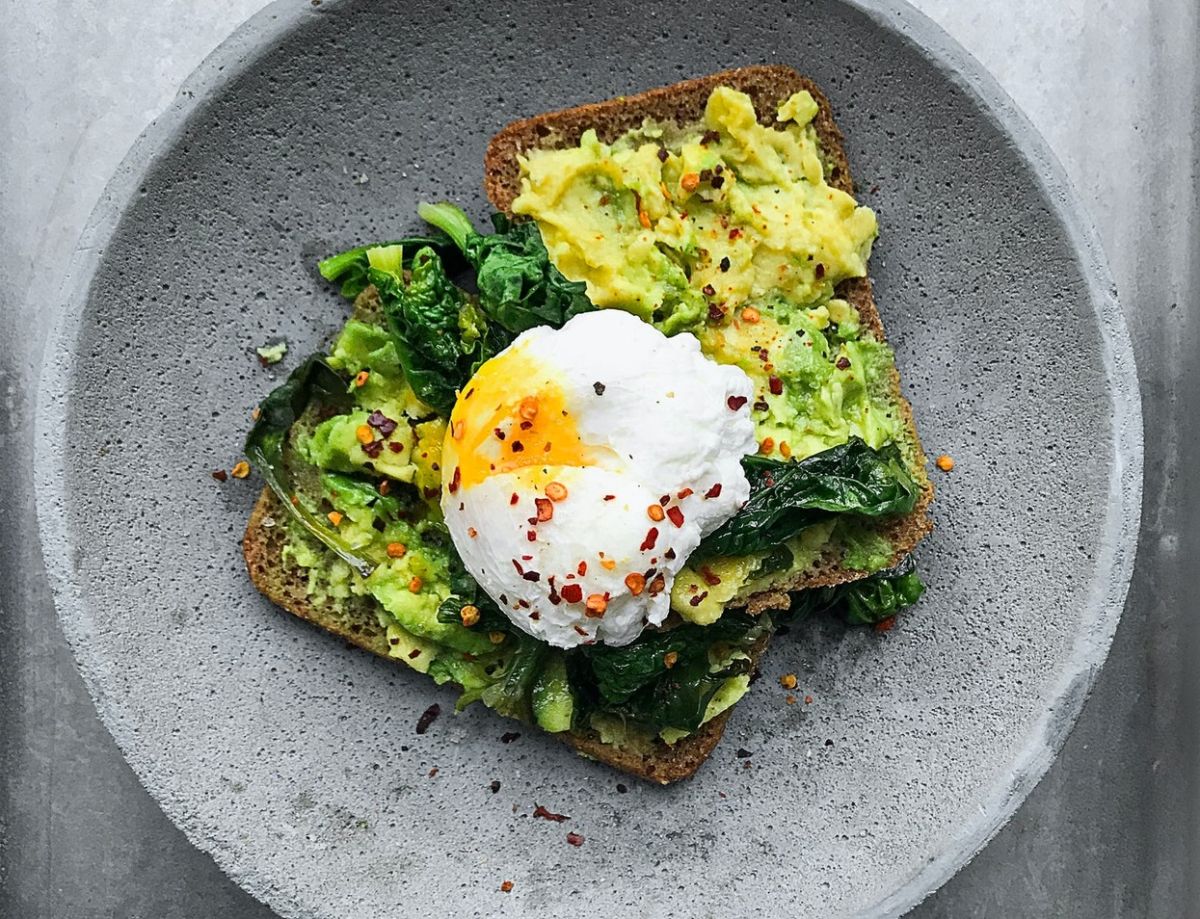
(262, 31)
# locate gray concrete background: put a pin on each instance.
(1112, 85)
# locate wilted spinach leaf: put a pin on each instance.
(350, 267)
(634, 681)
(313, 382)
(511, 694)
(785, 497)
(864, 602)
(441, 337)
(518, 286)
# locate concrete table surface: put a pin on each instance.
(1114, 86)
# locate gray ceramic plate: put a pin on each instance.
(292, 758)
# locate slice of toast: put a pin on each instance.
(683, 104)
(356, 621)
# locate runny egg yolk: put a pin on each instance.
(512, 417)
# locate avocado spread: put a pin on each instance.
(728, 230)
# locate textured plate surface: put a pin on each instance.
(293, 758)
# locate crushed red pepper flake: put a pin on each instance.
(775, 385)
(596, 606)
(886, 625)
(657, 585)
(545, 509)
(542, 813)
(714, 492)
(710, 577)
(635, 582)
(428, 717)
(506, 886)
(514, 499)
(675, 515)
(575, 839)
(736, 402)
(517, 446)
(698, 599)
(572, 593)
(455, 480)
(582, 568)
(220, 475)
(650, 540)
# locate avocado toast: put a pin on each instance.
(359, 472)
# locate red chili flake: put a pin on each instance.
(775, 385)
(381, 423)
(886, 625)
(546, 449)
(698, 599)
(714, 492)
(610, 497)
(650, 540)
(664, 500)
(662, 154)
(599, 388)
(433, 772)
(514, 499)
(717, 181)
(735, 233)
(429, 716)
(517, 446)
(715, 312)
(736, 402)
(709, 137)
(509, 736)
(708, 290)
(670, 553)
(531, 576)
(685, 493)
(819, 271)
(526, 425)
(545, 509)
(842, 362)
(396, 447)
(455, 480)
(761, 405)
(572, 593)
(429, 493)
(506, 886)
(524, 604)
(582, 568)
(710, 578)
(675, 515)
(539, 811)
(520, 570)
(495, 786)
(555, 596)
(414, 654)
(499, 433)
(531, 535)
(657, 586)
(724, 264)
(575, 839)
(373, 449)
(535, 615)
(220, 475)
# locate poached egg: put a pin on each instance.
(583, 465)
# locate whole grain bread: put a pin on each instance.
(683, 104)
(356, 619)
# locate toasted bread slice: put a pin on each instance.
(683, 104)
(356, 621)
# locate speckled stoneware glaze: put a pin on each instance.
(293, 758)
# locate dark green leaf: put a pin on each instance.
(518, 286)
(440, 337)
(634, 682)
(510, 695)
(465, 590)
(785, 497)
(312, 383)
(864, 602)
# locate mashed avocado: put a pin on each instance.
(728, 230)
